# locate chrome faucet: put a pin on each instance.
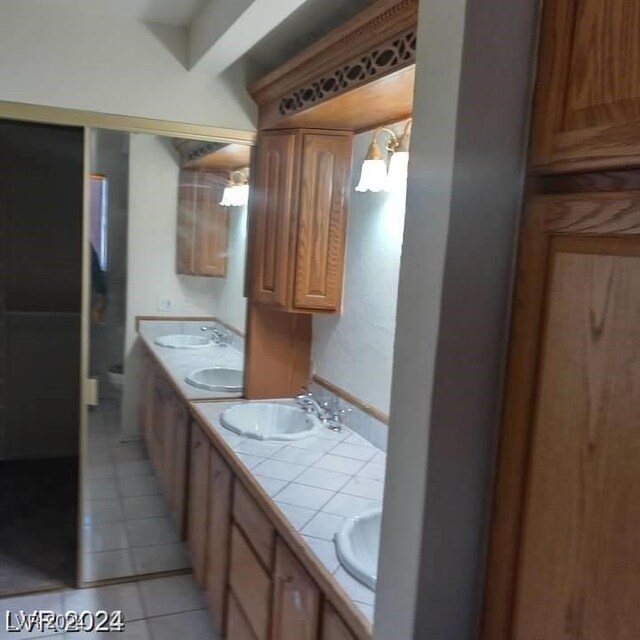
(331, 417)
(220, 337)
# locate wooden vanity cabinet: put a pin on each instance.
(218, 537)
(587, 102)
(238, 628)
(333, 628)
(203, 224)
(197, 512)
(296, 599)
(299, 219)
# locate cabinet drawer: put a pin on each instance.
(250, 584)
(333, 628)
(256, 526)
(237, 626)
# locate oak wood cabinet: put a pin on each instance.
(250, 584)
(218, 537)
(203, 224)
(197, 512)
(296, 599)
(299, 219)
(563, 561)
(587, 104)
(237, 626)
(333, 628)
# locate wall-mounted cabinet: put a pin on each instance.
(299, 219)
(587, 108)
(203, 224)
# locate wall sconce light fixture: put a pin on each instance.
(374, 175)
(237, 193)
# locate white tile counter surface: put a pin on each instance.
(181, 362)
(316, 483)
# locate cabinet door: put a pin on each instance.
(145, 400)
(322, 221)
(198, 502)
(175, 455)
(218, 536)
(186, 222)
(157, 428)
(333, 627)
(587, 107)
(272, 218)
(237, 626)
(296, 599)
(212, 226)
(567, 504)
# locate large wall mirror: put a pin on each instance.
(168, 231)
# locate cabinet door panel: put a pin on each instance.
(322, 221)
(250, 583)
(198, 502)
(255, 525)
(176, 444)
(272, 213)
(333, 628)
(562, 563)
(218, 536)
(186, 223)
(296, 599)
(587, 111)
(212, 226)
(237, 626)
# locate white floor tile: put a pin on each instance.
(49, 601)
(326, 552)
(354, 589)
(139, 486)
(279, 470)
(151, 531)
(164, 557)
(117, 597)
(144, 507)
(324, 479)
(349, 506)
(365, 488)
(129, 451)
(323, 525)
(304, 496)
(100, 471)
(355, 451)
(104, 536)
(98, 511)
(340, 464)
(137, 630)
(107, 564)
(101, 489)
(134, 468)
(298, 516)
(192, 625)
(175, 594)
(271, 485)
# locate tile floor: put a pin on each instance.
(126, 528)
(153, 609)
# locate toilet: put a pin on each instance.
(116, 377)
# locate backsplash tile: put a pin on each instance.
(356, 419)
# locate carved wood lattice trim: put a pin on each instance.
(391, 56)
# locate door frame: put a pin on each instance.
(613, 214)
(88, 120)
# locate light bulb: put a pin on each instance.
(373, 175)
(398, 172)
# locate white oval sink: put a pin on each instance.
(358, 545)
(183, 341)
(270, 421)
(217, 379)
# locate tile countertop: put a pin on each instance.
(181, 362)
(316, 483)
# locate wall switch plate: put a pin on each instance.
(165, 304)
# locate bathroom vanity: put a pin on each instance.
(264, 579)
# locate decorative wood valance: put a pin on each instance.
(375, 44)
(212, 155)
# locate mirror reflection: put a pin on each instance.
(168, 237)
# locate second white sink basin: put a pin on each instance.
(358, 546)
(183, 341)
(217, 379)
(270, 421)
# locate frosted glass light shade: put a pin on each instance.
(398, 172)
(373, 176)
(235, 196)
